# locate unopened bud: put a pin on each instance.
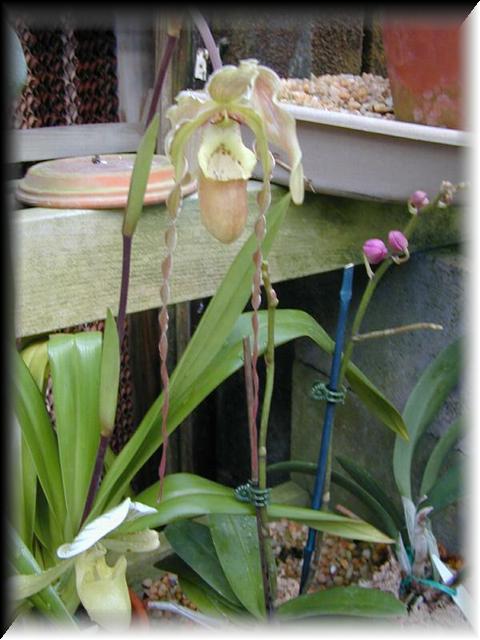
(397, 241)
(417, 201)
(375, 250)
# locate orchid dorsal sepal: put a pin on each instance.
(99, 528)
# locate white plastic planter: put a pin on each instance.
(360, 156)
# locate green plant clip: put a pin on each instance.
(450, 591)
(248, 492)
(320, 391)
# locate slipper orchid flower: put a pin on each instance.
(102, 588)
(234, 96)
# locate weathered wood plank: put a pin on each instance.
(46, 143)
(67, 262)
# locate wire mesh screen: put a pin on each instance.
(72, 76)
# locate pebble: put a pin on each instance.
(367, 94)
(339, 562)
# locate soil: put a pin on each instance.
(338, 562)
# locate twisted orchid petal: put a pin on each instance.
(280, 126)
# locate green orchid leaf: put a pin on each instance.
(39, 437)
(47, 600)
(236, 543)
(192, 501)
(382, 519)
(193, 542)
(75, 369)
(209, 601)
(449, 488)
(343, 601)
(109, 375)
(438, 455)
(24, 485)
(363, 478)
(423, 404)
(213, 329)
(26, 585)
(202, 594)
(35, 357)
(139, 179)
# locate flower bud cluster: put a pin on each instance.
(375, 250)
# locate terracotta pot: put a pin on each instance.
(98, 182)
(424, 64)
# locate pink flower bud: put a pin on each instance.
(397, 241)
(375, 250)
(418, 199)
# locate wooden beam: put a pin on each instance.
(67, 262)
(46, 143)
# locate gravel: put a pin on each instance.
(367, 95)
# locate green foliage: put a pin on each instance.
(426, 399)
(423, 404)
(109, 375)
(344, 601)
(140, 173)
(236, 543)
(186, 495)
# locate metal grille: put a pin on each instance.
(72, 77)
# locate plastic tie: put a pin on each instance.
(450, 591)
(321, 391)
(248, 492)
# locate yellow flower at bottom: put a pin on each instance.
(103, 589)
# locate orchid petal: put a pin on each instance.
(280, 126)
(103, 589)
(256, 124)
(230, 83)
(175, 145)
(101, 526)
(223, 156)
(138, 541)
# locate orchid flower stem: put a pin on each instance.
(97, 474)
(393, 331)
(252, 427)
(162, 72)
(260, 512)
(122, 305)
(272, 303)
(208, 40)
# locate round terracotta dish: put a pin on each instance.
(94, 182)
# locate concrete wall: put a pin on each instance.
(297, 43)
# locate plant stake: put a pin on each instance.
(332, 396)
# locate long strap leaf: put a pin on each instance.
(39, 437)
(438, 455)
(423, 404)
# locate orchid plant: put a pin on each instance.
(234, 96)
(74, 506)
